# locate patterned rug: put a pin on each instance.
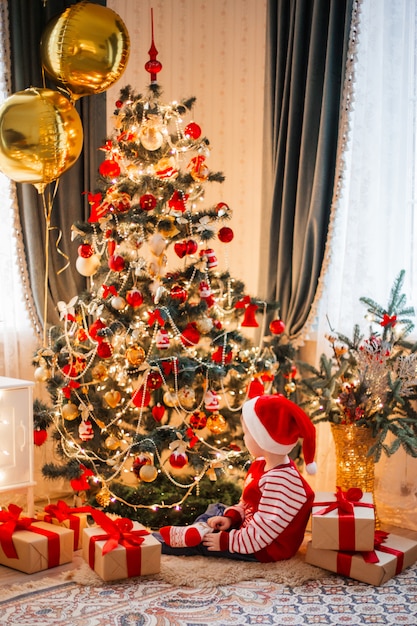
(330, 599)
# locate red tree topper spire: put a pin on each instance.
(153, 66)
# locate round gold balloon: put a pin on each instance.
(41, 136)
(85, 49)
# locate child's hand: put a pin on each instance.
(212, 541)
(219, 522)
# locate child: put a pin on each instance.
(269, 522)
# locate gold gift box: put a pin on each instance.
(113, 565)
(32, 548)
(325, 528)
(355, 566)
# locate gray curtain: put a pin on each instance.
(307, 43)
(27, 21)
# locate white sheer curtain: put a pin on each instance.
(18, 338)
(372, 232)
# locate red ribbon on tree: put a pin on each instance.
(10, 522)
(118, 532)
(345, 505)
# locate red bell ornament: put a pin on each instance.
(249, 320)
(190, 335)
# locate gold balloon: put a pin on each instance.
(85, 49)
(41, 136)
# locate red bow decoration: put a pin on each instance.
(61, 511)
(9, 523)
(155, 316)
(345, 505)
(81, 483)
(109, 290)
(389, 320)
(118, 531)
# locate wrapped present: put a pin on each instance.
(343, 520)
(392, 555)
(61, 514)
(31, 546)
(119, 548)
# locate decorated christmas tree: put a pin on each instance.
(149, 367)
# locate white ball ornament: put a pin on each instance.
(41, 374)
(118, 303)
(87, 266)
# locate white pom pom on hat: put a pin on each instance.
(276, 424)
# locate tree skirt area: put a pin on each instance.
(202, 591)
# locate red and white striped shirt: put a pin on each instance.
(272, 515)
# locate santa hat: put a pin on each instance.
(276, 424)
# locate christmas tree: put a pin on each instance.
(150, 366)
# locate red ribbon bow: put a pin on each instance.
(61, 511)
(118, 531)
(345, 505)
(10, 521)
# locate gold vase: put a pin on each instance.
(354, 466)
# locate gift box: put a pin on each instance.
(31, 546)
(61, 514)
(392, 555)
(119, 548)
(343, 521)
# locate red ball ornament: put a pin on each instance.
(198, 420)
(134, 298)
(225, 234)
(178, 293)
(85, 250)
(39, 436)
(116, 263)
(192, 130)
(178, 460)
(104, 350)
(94, 328)
(119, 104)
(277, 327)
(154, 380)
(109, 168)
(147, 202)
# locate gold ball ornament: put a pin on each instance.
(99, 372)
(186, 397)
(69, 411)
(148, 473)
(290, 388)
(41, 374)
(85, 49)
(103, 497)
(170, 398)
(41, 136)
(112, 443)
(216, 423)
(135, 355)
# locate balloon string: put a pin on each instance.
(47, 209)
